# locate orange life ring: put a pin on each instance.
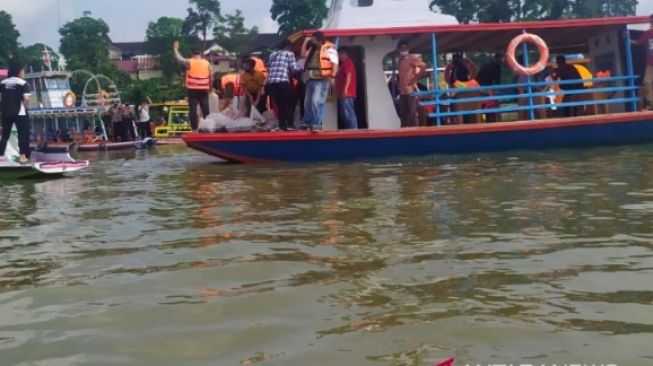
(69, 100)
(542, 48)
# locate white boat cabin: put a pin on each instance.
(50, 88)
(372, 29)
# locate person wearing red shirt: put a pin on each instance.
(346, 90)
(646, 39)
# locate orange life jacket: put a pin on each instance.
(259, 65)
(466, 84)
(326, 67)
(604, 74)
(233, 78)
(198, 75)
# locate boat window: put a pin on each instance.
(362, 3)
(52, 83)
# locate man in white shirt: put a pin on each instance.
(144, 119)
(14, 94)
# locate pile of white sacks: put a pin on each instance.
(233, 119)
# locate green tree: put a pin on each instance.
(84, 43)
(8, 38)
(232, 34)
(156, 89)
(296, 15)
(203, 15)
(159, 38)
(469, 11)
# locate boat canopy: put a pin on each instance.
(561, 35)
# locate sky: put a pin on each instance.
(38, 22)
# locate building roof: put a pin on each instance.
(264, 41)
(131, 48)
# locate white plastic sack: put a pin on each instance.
(240, 124)
(213, 122)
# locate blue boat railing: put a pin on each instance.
(539, 89)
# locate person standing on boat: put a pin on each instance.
(253, 82)
(646, 39)
(322, 68)
(144, 119)
(14, 95)
(564, 72)
(117, 125)
(199, 78)
(490, 75)
(281, 66)
(411, 69)
(346, 90)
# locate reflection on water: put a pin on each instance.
(168, 258)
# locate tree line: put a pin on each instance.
(85, 40)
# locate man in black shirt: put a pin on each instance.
(566, 71)
(488, 75)
(15, 92)
(490, 72)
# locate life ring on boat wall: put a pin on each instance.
(69, 100)
(471, 66)
(542, 48)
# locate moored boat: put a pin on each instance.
(606, 110)
(60, 123)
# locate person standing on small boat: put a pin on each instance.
(199, 78)
(646, 39)
(117, 125)
(346, 90)
(411, 69)
(322, 68)
(14, 95)
(281, 66)
(144, 119)
(128, 122)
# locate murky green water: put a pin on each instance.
(167, 258)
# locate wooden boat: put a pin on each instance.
(609, 109)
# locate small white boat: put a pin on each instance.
(42, 165)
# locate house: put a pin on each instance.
(133, 59)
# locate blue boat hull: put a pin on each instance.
(629, 128)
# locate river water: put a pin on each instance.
(169, 258)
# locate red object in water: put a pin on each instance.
(447, 362)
